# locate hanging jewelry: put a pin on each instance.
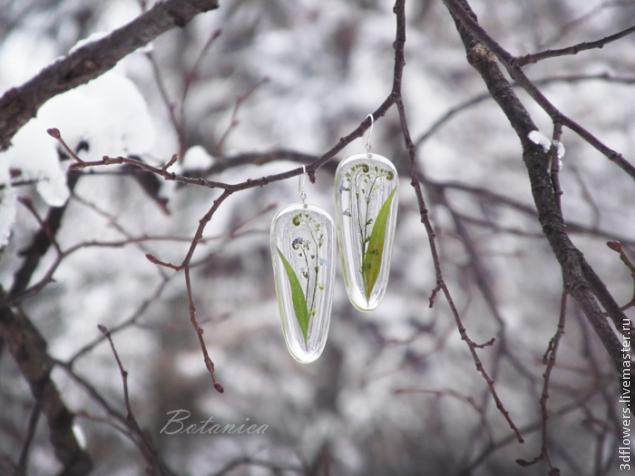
(366, 203)
(303, 256)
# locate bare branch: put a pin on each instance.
(423, 210)
(574, 49)
(481, 46)
(575, 269)
(28, 348)
(480, 98)
(233, 121)
(549, 360)
(144, 441)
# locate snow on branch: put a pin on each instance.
(20, 104)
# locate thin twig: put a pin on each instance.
(423, 210)
(515, 71)
(233, 120)
(573, 49)
(146, 445)
(549, 359)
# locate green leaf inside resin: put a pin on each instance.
(371, 262)
(297, 296)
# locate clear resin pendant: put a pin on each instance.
(366, 205)
(303, 256)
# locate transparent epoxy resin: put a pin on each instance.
(303, 256)
(366, 205)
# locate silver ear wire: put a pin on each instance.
(368, 135)
(301, 182)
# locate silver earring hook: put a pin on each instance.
(301, 182)
(369, 134)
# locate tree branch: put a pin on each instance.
(40, 244)
(28, 348)
(19, 105)
(441, 285)
(574, 49)
(573, 264)
(480, 43)
(144, 442)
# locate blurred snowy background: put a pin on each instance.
(395, 392)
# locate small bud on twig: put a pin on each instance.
(615, 246)
(54, 132)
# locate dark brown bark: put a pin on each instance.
(28, 348)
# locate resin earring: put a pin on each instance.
(366, 205)
(303, 255)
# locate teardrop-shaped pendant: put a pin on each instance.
(303, 256)
(366, 205)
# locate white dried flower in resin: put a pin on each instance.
(303, 256)
(366, 205)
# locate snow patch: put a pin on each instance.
(540, 139)
(108, 114)
(197, 158)
(561, 150)
(98, 35)
(33, 153)
(27, 53)
(80, 436)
